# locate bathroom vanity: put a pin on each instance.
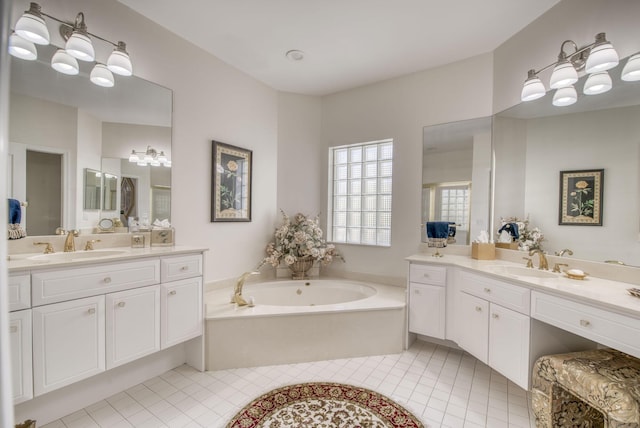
(507, 315)
(78, 315)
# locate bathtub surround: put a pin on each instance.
(317, 403)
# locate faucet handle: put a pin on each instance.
(529, 262)
(74, 232)
(89, 245)
(60, 231)
(556, 267)
(48, 249)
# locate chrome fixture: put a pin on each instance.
(48, 249)
(562, 252)
(593, 59)
(70, 243)
(542, 259)
(149, 157)
(31, 29)
(237, 291)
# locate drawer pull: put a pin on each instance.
(107, 280)
(487, 290)
(91, 311)
(585, 323)
(184, 268)
(121, 304)
(426, 275)
(13, 329)
(478, 309)
(495, 316)
(172, 293)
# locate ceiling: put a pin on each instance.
(347, 43)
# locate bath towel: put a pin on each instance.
(437, 233)
(16, 231)
(512, 229)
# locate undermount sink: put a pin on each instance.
(76, 255)
(522, 271)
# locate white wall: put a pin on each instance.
(89, 155)
(399, 109)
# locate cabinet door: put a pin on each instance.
(20, 345)
(509, 344)
(427, 310)
(181, 314)
(473, 326)
(68, 343)
(132, 324)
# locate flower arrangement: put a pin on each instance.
(529, 238)
(299, 238)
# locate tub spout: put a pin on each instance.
(237, 292)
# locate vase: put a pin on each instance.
(300, 267)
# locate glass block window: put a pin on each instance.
(360, 182)
(454, 205)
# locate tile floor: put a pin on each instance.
(442, 386)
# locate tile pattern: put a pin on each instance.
(445, 388)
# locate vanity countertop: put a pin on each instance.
(603, 293)
(39, 261)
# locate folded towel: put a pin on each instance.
(512, 229)
(15, 230)
(438, 229)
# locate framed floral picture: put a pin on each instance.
(581, 197)
(230, 183)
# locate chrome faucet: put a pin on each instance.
(562, 252)
(70, 243)
(237, 291)
(542, 259)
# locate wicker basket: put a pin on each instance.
(300, 267)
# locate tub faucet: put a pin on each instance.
(237, 292)
(562, 252)
(70, 243)
(543, 265)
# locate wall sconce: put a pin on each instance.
(149, 157)
(594, 59)
(31, 29)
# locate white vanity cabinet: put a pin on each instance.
(20, 345)
(427, 291)
(68, 343)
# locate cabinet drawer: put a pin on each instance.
(618, 331)
(19, 292)
(427, 274)
(174, 268)
(66, 284)
(505, 294)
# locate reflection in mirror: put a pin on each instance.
(110, 191)
(81, 123)
(455, 156)
(534, 141)
(92, 189)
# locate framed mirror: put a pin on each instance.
(456, 167)
(92, 189)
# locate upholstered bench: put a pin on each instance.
(599, 388)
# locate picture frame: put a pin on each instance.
(581, 193)
(230, 183)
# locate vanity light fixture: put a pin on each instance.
(31, 28)
(149, 157)
(593, 59)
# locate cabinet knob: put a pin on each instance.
(107, 280)
(91, 311)
(487, 290)
(585, 323)
(13, 329)
(478, 309)
(495, 316)
(426, 275)
(121, 304)
(172, 293)
(184, 268)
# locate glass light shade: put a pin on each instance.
(64, 63)
(601, 58)
(120, 63)
(532, 89)
(148, 158)
(631, 70)
(162, 157)
(155, 162)
(168, 164)
(79, 46)
(142, 163)
(101, 76)
(33, 28)
(597, 83)
(563, 74)
(565, 96)
(133, 157)
(21, 48)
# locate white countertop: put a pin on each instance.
(39, 261)
(599, 292)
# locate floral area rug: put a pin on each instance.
(323, 405)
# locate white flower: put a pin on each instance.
(289, 259)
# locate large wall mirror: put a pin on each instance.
(61, 126)
(535, 141)
(456, 168)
